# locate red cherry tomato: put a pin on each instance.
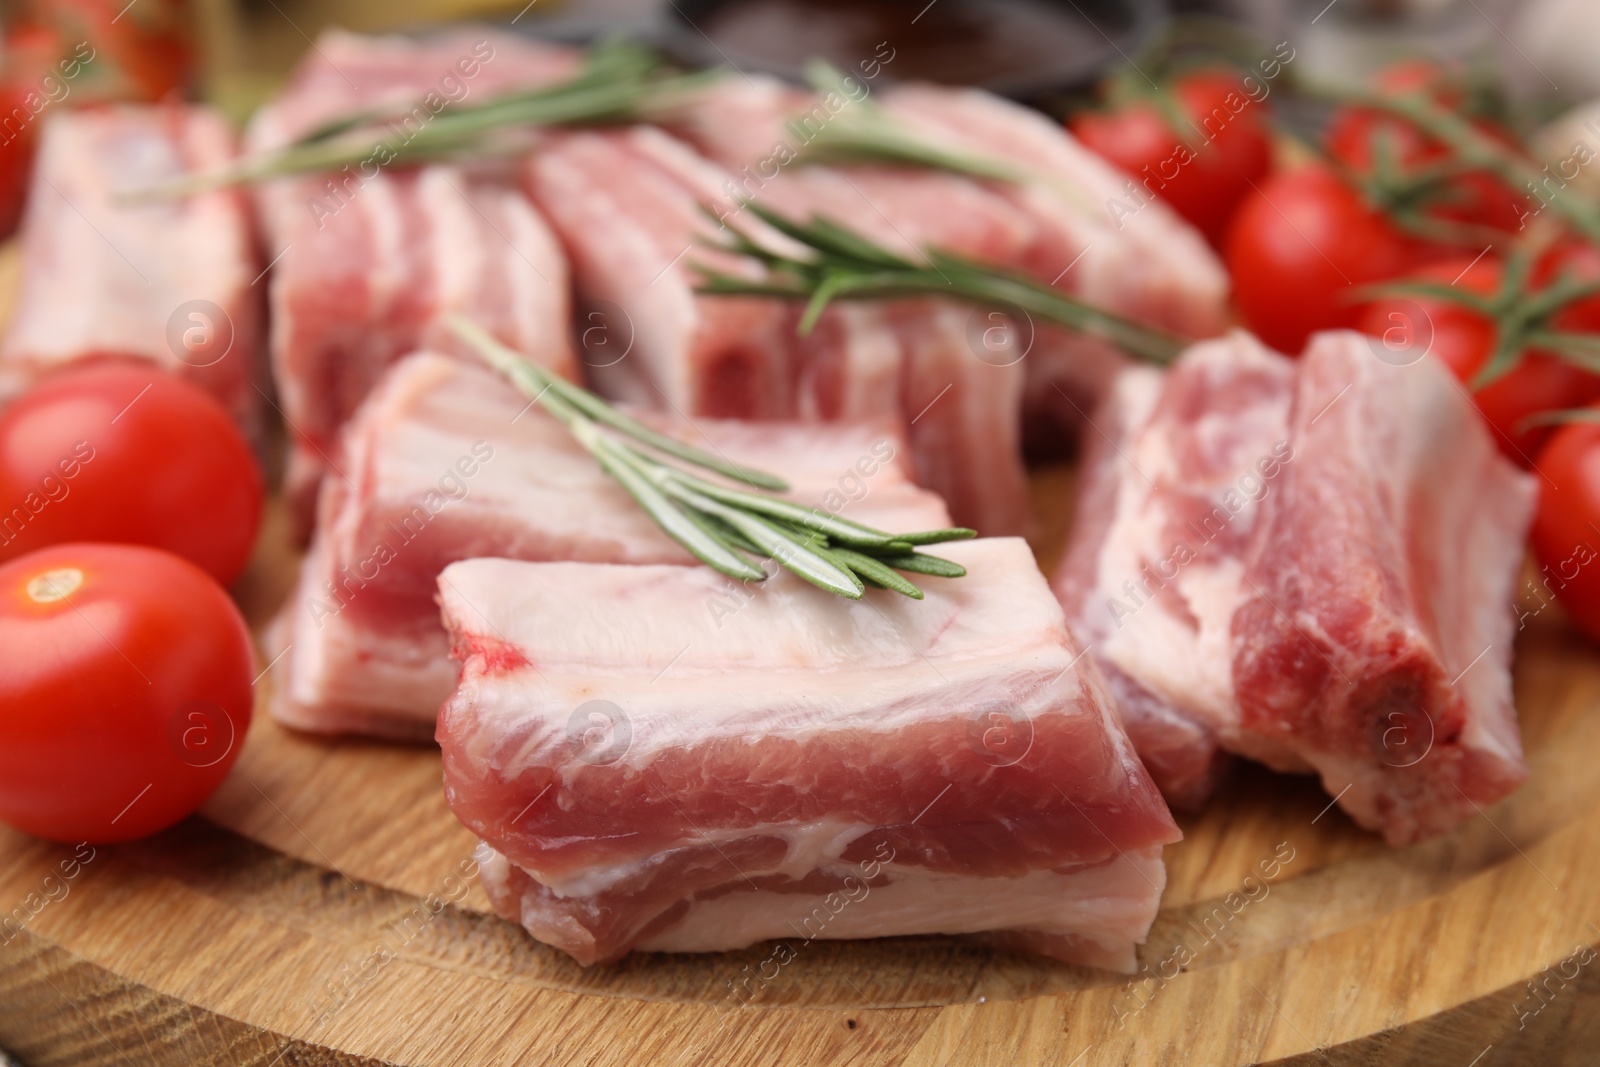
(120, 450)
(1300, 247)
(1564, 537)
(1201, 170)
(1465, 339)
(1357, 136)
(125, 691)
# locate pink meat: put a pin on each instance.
(631, 207)
(444, 461)
(169, 281)
(368, 263)
(344, 73)
(943, 766)
(627, 207)
(1147, 264)
(1062, 226)
(1310, 564)
(1171, 492)
(1373, 644)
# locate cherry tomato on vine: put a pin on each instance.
(1359, 136)
(125, 691)
(122, 451)
(1299, 249)
(1465, 339)
(1564, 537)
(1201, 169)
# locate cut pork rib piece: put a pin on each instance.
(1373, 641)
(368, 263)
(1174, 473)
(1061, 227)
(649, 777)
(168, 281)
(1310, 564)
(445, 461)
(627, 205)
(631, 208)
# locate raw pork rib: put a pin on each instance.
(1060, 228)
(168, 281)
(630, 208)
(444, 461)
(367, 267)
(1373, 644)
(1310, 564)
(1172, 485)
(654, 778)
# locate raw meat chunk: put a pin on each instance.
(168, 280)
(1176, 467)
(445, 461)
(650, 777)
(367, 263)
(1373, 641)
(631, 207)
(1062, 226)
(1310, 564)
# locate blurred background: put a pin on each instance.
(234, 52)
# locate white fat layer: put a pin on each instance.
(643, 641)
(1110, 906)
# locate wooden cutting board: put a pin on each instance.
(292, 923)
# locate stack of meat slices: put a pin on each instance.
(1311, 564)
(367, 263)
(445, 461)
(649, 774)
(170, 281)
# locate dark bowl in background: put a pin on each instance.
(1019, 48)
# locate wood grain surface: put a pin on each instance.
(316, 913)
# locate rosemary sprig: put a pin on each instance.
(726, 528)
(843, 265)
(619, 82)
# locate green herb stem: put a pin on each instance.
(845, 265)
(721, 526)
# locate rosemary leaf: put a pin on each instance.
(875, 571)
(922, 563)
(606, 90)
(602, 412)
(846, 265)
(509, 362)
(810, 518)
(718, 524)
(682, 526)
(812, 564)
(937, 537)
